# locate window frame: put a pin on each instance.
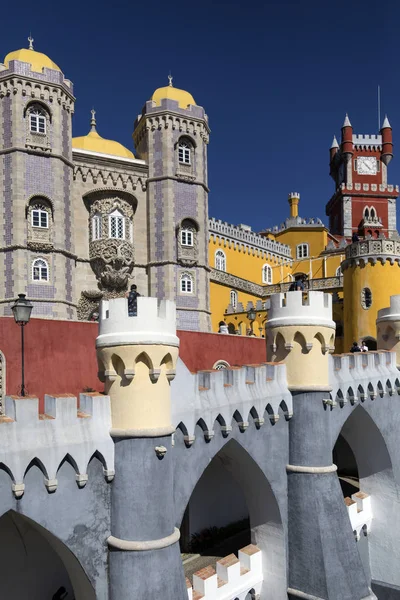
(185, 150)
(220, 256)
(300, 249)
(188, 233)
(267, 275)
(119, 218)
(96, 228)
(184, 279)
(37, 114)
(233, 295)
(43, 270)
(40, 212)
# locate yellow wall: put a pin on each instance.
(383, 281)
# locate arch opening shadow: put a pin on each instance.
(234, 505)
(36, 564)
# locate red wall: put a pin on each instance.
(60, 356)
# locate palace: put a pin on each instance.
(83, 217)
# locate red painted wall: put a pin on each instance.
(60, 356)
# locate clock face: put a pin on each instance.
(366, 165)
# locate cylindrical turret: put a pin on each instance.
(347, 139)
(294, 199)
(388, 327)
(370, 278)
(301, 333)
(137, 358)
(387, 142)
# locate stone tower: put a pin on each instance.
(300, 332)
(171, 135)
(36, 223)
(137, 358)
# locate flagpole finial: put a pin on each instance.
(93, 120)
(170, 80)
(30, 40)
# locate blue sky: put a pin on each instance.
(276, 79)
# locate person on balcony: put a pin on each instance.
(132, 301)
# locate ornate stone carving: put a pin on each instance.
(88, 304)
(187, 255)
(112, 262)
(372, 250)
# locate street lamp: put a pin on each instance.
(251, 315)
(22, 309)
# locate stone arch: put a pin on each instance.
(35, 563)
(263, 510)
(371, 449)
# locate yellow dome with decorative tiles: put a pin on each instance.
(37, 60)
(93, 142)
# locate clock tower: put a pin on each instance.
(363, 202)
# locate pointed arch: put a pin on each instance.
(36, 462)
(70, 460)
(144, 358)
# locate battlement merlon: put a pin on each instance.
(392, 312)
(298, 308)
(155, 323)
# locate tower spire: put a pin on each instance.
(93, 120)
(170, 80)
(30, 40)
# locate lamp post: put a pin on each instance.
(251, 315)
(22, 309)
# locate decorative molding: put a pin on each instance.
(311, 470)
(237, 283)
(372, 250)
(130, 546)
(88, 172)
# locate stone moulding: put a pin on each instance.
(62, 433)
(143, 546)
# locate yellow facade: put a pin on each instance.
(383, 281)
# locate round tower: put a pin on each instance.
(347, 139)
(387, 142)
(370, 278)
(137, 358)
(301, 333)
(388, 327)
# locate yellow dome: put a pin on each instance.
(95, 143)
(37, 60)
(172, 93)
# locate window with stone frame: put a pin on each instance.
(220, 260)
(40, 270)
(185, 155)
(366, 298)
(38, 120)
(116, 225)
(233, 299)
(185, 152)
(187, 239)
(302, 251)
(40, 224)
(267, 274)
(96, 227)
(186, 283)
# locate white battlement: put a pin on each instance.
(294, 195)
(367, 140)
(239, 396)
(62, 431)
(373, 187)
(359, 509)
(359, 376)
(299, 308)
(234, 578)
(392, 312)
(155, 323)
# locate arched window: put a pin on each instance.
(96, 227)
(366, 213)
(40, 270)
(116, 225)
(220, 260)
(233, 299)
(37, 119)
(339, 272)
(267, 274)
(186, 283)
(187, 237)
(40, 216)
(185, 152)
(302, 251)
(366, 298)
(373, 213)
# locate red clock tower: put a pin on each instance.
(363, 202)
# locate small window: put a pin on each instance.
(184, 153)
(40, 270)
(37, 120)
(233, 299)
(40, 217)
(220, 260)
(267, 274)
(186, 283)
(96, 227)
(366, 298)
(187, 237)
(302, 251)
(116, 225)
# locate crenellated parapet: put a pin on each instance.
(217, 401)
(301, 333)
(137, 360)
(362, 376)
(63, 432)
